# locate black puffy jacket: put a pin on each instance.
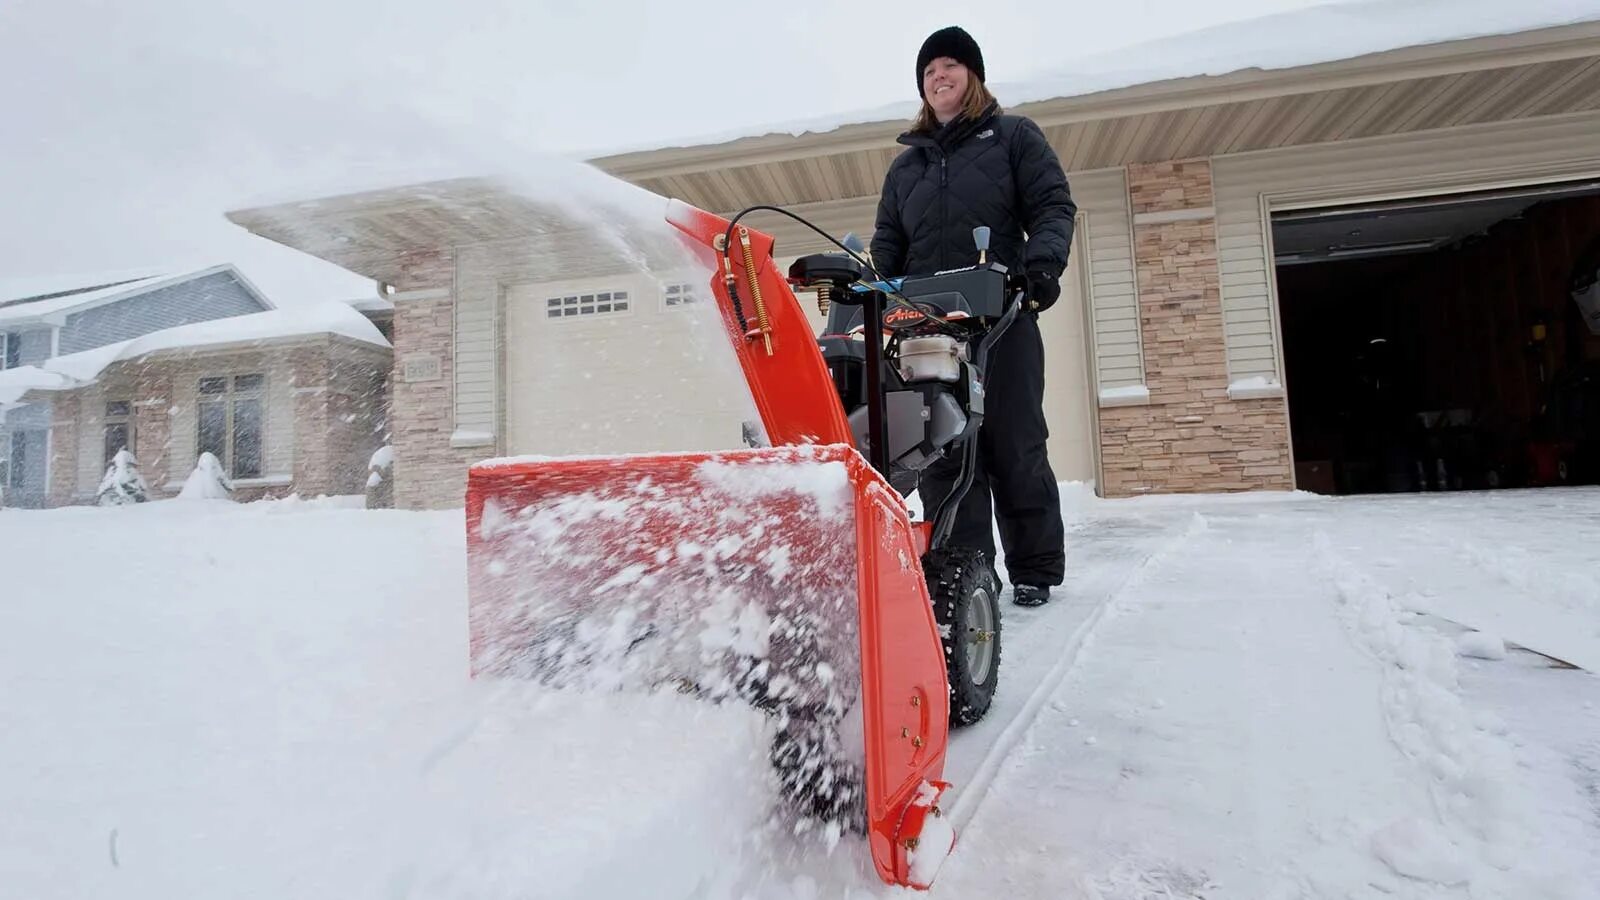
(997, 170)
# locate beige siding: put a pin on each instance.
(1411, 165)
(1069, 399)
(1102, 199)
(477, 295)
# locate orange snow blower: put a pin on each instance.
(789, 575)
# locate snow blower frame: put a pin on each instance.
(788, 575)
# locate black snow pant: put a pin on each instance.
(1013, 472)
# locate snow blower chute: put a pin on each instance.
(789, 576)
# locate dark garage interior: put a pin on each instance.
(1445, 343)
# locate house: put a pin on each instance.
(170, 367)
(1328, 249)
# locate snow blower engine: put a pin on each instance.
(788, 576)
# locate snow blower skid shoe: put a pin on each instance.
(788, 576)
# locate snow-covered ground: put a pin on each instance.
(1244, 697)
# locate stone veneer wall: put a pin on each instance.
(428, 472)
(1190, 436)
(65, 432)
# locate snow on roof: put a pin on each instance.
(28, 310)
(276, 324)
(35, 308)
(85, 366)
(22, 287)
(78, 369)
(371, 304)
(1318, 34)
(18, 381)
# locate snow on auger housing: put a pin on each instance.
(789, 576)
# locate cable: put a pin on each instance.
(893, 293)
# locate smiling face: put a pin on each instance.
(944, 84)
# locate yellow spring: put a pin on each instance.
(824, 298)
(762, 321)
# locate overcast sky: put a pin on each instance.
(128, 128)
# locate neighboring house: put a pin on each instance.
(40, 321)
(288, 400)
(1250, 245)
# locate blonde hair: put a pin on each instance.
(973, 103)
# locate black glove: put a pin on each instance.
(1044, 289)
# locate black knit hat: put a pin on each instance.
(954, 43)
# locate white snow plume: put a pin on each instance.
(548, 220)
(605, 797)
(1486, 832)
(671, 576)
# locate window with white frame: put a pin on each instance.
(679, 293)
(231, 421)
(587, 304)
(118, 428)
(10, 349)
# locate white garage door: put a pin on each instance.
(630, 365)
(619, 365)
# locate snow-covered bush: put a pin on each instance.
(208, 481)
(380, 479)
(122, 484)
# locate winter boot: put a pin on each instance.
(1030, 595)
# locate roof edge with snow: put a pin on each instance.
(1157, 87)
(270, 328)
(54, 311)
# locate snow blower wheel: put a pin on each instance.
(966, 604)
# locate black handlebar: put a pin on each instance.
(944, 519)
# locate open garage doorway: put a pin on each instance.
(1446, 343)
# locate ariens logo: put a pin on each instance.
(905, 315)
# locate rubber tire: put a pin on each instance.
(954, 577)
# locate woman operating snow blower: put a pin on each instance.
(791, 576)
(969, 165)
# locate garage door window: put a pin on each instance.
(679, 294)
(599, 303)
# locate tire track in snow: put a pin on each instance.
(1557, 604)
(972, 794)
(1484, 832)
